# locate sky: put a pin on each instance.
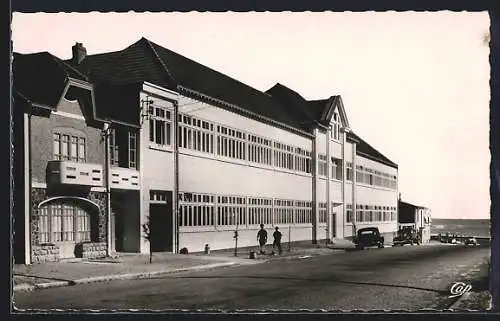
(414, 85)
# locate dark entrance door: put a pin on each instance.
(118, 229)
(161, 226)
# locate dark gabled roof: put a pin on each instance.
(296, 105)
(402, 203)
(134, 64)
(41, 77)
(147, 61)
(366, 150)
(317, 107)
(310, 113)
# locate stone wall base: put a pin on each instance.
(90, 250)
(46, 253)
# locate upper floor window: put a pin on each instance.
(283, 156)
(231, 142)
(196, 134)
(132, 150)
(322, 165)
(349, 171)
(335, 127)
(160, 125)
(69, 147)
(123, 148)
(336, 168)
(259, 150)
(302, 161)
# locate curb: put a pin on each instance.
(127, 276)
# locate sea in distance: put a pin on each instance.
(467, 227)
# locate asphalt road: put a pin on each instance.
(403, 278)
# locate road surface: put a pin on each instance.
(405, 278)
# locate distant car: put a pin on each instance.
(471, 242)
(405, 237)
(368, 236)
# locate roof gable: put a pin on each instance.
(43, 78)
(335, 103)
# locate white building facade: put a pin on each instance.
(203, 157)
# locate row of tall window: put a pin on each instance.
(203, 136)
(198, 209)
(371, 213)
(373, 177)
(199, 135)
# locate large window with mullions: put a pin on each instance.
(64, 222)
(69, 147)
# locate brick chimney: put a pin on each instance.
(79, 53)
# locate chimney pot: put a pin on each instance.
(79, 53)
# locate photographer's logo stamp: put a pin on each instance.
(459, 289)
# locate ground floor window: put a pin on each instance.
(322, 212)
(63, 221)
(371, 213)
(231, 210)
(196, 209)
(303, 212)
(260, 211)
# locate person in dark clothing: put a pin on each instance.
(262, 238)
(277, 240)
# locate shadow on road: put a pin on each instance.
(323, 280)
(70, 282)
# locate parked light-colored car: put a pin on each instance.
(471, 242)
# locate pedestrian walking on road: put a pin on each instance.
(277, 240)
(262, 238)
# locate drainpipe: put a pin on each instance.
(27, 181)
(107, 132)
(354, 183)
(314, 198)
(344, 179)
(175, 197)
(329, 174)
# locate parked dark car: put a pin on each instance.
(406, 235)
(368, 236)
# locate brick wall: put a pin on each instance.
(42, 130)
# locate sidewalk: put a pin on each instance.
(126, 266)
(135, 266)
